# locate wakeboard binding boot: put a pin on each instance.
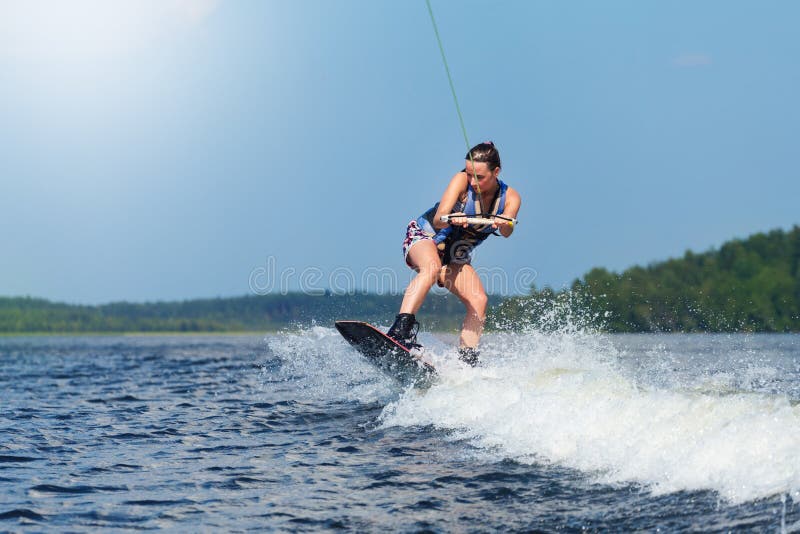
(468, 355)
(404, 331)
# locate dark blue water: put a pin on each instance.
(295, 432)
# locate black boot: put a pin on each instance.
(404, 330)
(468, 355)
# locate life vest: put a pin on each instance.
(456, 243)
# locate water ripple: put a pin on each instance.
(21, 513)
(71, 490)
(17, 459)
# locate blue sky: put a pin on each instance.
(160, 150)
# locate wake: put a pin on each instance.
(653, 415)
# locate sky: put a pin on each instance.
(173, 149)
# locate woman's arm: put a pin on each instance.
(513, 202)
(456, 188)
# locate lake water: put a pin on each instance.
(294, 431)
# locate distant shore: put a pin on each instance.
(247, 314)
(750, 285)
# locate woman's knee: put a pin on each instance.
(478, 303)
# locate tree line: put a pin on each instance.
(750, 285)
(237, 314)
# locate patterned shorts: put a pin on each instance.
(413, 234)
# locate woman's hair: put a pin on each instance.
(485, 153)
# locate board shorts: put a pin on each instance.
(414, 234)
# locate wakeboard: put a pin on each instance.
(386, 354)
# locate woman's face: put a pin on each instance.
(481, 174)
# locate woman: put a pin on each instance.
(440, 251)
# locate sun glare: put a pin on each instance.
(79, 30)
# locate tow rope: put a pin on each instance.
(458, 108)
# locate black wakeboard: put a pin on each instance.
(386, 354)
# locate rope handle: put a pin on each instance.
(479, 221)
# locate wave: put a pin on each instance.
(565, 398)
(654, 415)
(318, 365)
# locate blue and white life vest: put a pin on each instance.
(456, 242)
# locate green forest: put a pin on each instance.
(239, 314)
(749, 285)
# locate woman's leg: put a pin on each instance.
(463, 282)
(423, 257)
